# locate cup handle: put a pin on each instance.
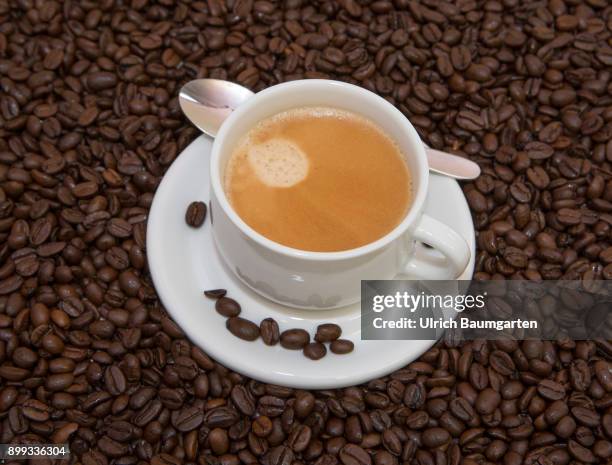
(442, 238)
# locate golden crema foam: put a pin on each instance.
(318, 179)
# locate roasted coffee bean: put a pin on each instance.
(35, 410)
(161, 459)
(271, 406)
(315, 351)
(487, 401)
(243, 400)
(304, 404)
(579, 452)
(299, 438)
(215, 293)
(551, 390)
(352, 454)
(112, 448)
(280, 455)
(270, 332)
(565, 428)
(115, 380)
(328, 332)
(101, 80)
(227, 307)
(188, 419)
(218, 441)
(502, 363)
(462, 409)
(391, 442)
(294, 339)
(242, 328)
(220, 417)
(585, 416)
(435, 437)
(262, 426)
(195, 214)
(341, 346)
(555, 412)
(603, 373)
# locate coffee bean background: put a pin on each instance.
(89, 121)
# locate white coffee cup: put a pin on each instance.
(320, 280)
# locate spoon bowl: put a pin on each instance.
(208, 102)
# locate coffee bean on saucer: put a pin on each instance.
(215, 293)
(227, 307)
(270, 332)
(294, 339)
(196, 214)
(341, 346)
(315, 351)
(328, 332)
(242, 328)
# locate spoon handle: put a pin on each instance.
(451, 165)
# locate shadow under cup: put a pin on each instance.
(298, 268)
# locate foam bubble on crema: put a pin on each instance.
(278, 162)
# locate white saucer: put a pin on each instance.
(184, 262)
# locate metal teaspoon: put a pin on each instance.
(208, 102)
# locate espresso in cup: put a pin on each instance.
(318, 179)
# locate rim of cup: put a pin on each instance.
(370, 98)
